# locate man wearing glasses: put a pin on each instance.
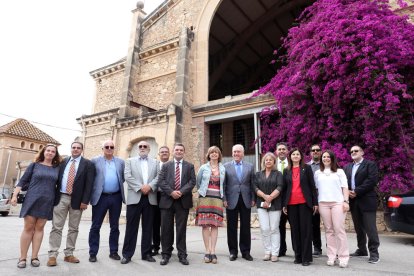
(76, 177)
(282, 164)
(362, 177)
(141, 175)
(316, 218)
(107, 196)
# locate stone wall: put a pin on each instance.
(108, 92)
(156, 93)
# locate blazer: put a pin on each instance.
(366, 179)
(82, 186)
(203, 178)
(133, 178)
(98, 184)
(167, 183)
(307, 184)
(268, 185)
(233, 187)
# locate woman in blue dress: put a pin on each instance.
(39, 180)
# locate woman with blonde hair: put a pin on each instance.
(268, 185)
(209, 213)
(39, 180)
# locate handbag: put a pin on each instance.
(22, 194)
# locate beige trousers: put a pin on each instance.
(60, 212)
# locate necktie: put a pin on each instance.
(71, 177)
(282, 167)
(177, 177)
(238, 171)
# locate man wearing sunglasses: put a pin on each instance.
(316, 153)
(362, 177)
(107, 196)
(73, 192)
(141, 175)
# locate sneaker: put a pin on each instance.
(343, 264)
(317, 253)
(373, 260)
(358, 253)
(330, 263)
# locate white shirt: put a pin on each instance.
(144, 170)
(330, 184)
(279, 164)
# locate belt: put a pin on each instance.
(62, 193)
(111, 193)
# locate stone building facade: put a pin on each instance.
(188, 75)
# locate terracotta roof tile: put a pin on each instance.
(22, 128)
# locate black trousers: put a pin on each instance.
(133, 215)
(300, 219)
(167, 229)
(282, 229)
(316, 232)
(156, 226)
(232, 221)
(365, 225)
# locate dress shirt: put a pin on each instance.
(315, 166)
(279, 164)
(354, 170)
(111, 184)
(143, 161)
(66, 172)
(237, 167)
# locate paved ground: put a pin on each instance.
(396, 252)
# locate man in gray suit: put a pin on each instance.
(107, 196)
(238, 199)
(141, 175)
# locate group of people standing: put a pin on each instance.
(159, 192)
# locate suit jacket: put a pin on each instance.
(167, 183)
(307, 184)
(133, 177)
(366, 179)
(99, 182)
(233, 187)
(82, 186)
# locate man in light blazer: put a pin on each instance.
(362, 177)
(177, 180)
(73, 192)
(238, 198)
(107, 196)
(141, 175)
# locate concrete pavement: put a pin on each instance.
(396, 253)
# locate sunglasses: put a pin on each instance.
(315, 150)
(76, 147)
(109, 147)
(352, 151)
(142, 146)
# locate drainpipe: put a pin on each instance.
(7, 169)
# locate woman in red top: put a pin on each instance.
(299, 204)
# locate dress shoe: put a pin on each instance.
(247, 257)
(154, 253)
(281, 254)
(317, 253)
(297, 261)
(232, 257)
(164, 261)
(306, 263)
(358, 253)
(373, 260)
(125, 260)
(148, 258)
(114, 256)
(184, 261)
(52, 261)
(92, 258)
(71, 259)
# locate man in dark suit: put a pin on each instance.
(362, 177)
(107, 196)
(238, 199)
(164, 154)
(74, 187)
(177, 180)
(141, 175)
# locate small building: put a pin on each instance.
(20, 141)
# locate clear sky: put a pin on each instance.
(48, 48)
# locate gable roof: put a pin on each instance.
(22, 128)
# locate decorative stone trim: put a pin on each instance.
(109, 69)
(143, 120)
(159, 49)
(158, 13)
(100, 117)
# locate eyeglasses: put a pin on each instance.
(76, 147)
(109, 147)
(316, 150)
(142, 146)
(352, 151)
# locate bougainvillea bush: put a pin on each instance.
(347, 78)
